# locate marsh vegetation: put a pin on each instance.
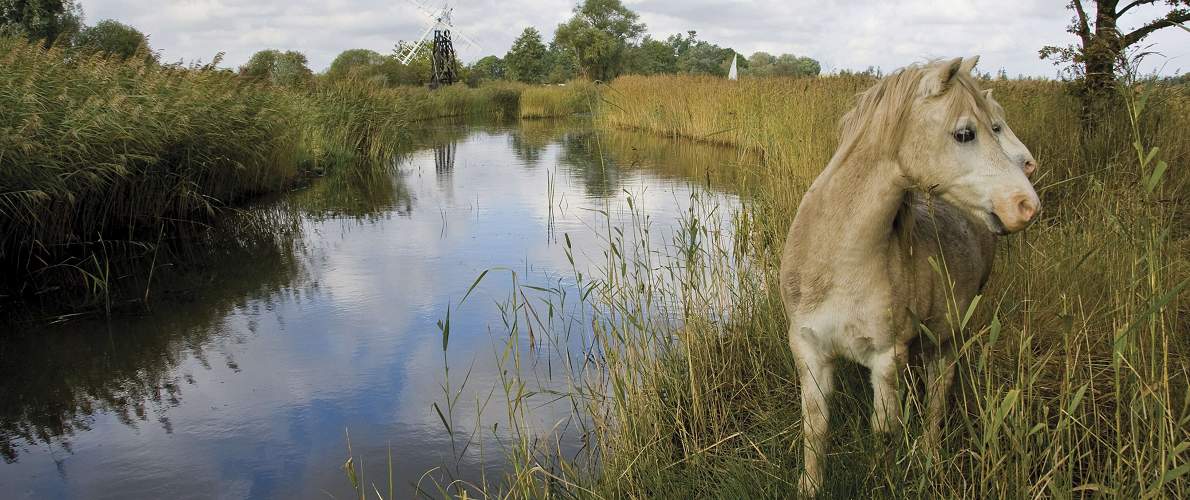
(1072, 373)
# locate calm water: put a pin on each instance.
(244, 377)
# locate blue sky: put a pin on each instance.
(841, 34)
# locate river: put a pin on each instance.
(244, 377)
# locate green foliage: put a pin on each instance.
(598, 36)
(528, 60)
(489, 68)
(563, 66)
(651, 57)
(765, 64)
(700, 57)
(114, 39)
(377, 69)
(44, 20)
(354, 62)
(287, 69)
(417, 71)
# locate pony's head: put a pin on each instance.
(948, 136)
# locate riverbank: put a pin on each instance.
(1073, 380)
(100, 160)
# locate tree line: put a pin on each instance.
(604, 39)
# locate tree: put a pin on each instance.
(808, 66)
(390, 73)
(701, 57)
(528, 60)
(354, 63)
(378, 69)
(417, 71)
(114, 39)
(563, 66)
(292, 70)
(287, 68)
(765, 64)
(761, 63)
(598, 35)
(651, 57)
(1102, 46)
(489, 68)
(46, 20)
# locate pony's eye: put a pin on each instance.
(996, 128)
(964, 134)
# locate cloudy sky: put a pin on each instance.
(851, 34)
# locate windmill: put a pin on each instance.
(443, 63)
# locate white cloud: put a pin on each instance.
(841, 34)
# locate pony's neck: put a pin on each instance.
(858, 202)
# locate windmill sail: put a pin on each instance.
(439, 20)
(733, 73)
(443, 63)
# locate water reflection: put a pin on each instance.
(444, 160)
(317, 313)
(55, 380)
(363, 195)
(530, 140)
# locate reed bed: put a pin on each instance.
(1074, 379)
(94, 153)
(101, 159)
(552, 101)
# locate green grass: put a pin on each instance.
(1074, 379)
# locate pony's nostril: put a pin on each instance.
(1026, 208)
(1029, 167)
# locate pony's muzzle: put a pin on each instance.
(1016, 210)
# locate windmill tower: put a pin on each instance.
(444, 65)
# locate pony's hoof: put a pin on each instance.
(807, 487)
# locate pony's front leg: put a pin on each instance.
(816, 374)
(886, 369)
(939, 378)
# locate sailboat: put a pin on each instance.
(733, 73)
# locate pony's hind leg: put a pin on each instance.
(886, 369)
(816, 376)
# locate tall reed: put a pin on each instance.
(551, 101)
(93, 152)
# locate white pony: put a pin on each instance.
(855, 272)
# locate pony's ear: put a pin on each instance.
(969, 64)
(938, 80)
(987, 94)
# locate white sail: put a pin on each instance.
(733, 74)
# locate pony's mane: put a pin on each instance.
(875, 126)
